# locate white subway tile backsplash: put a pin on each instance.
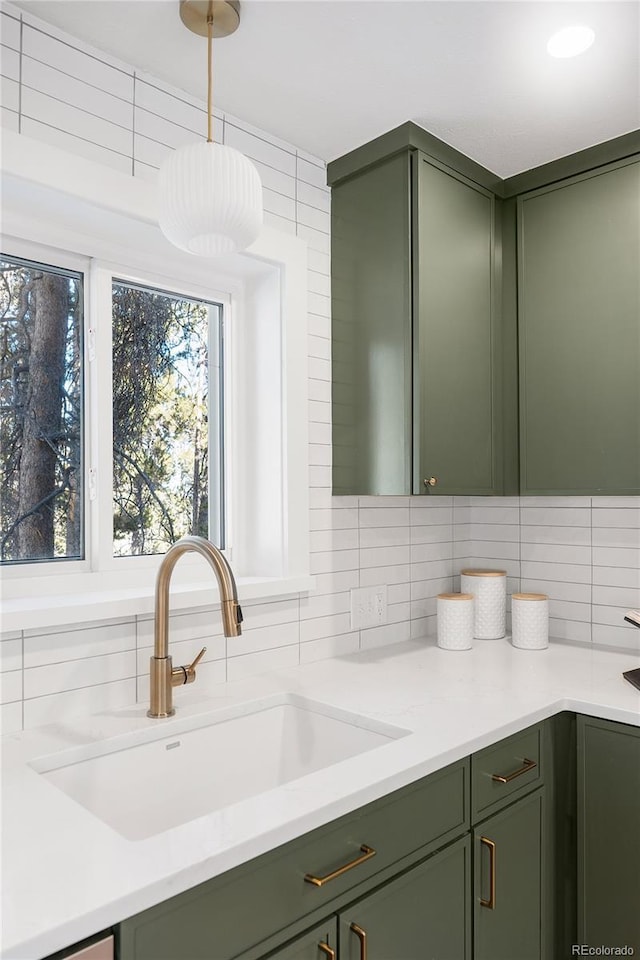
(327, 583)
(568, 535)
(571, 572)
(10, 652)
(75, 674)
(9, 31)
(390, 633)
(624, 636)
(95, 640)
(254, 640)
(383, 516)
(253, 664)
(384, 536)
(10, 718)
(47, 80)
(325, 647)
(319, 262)
(384, 556)
(375, 576)
(74, 144)
(619, 596)
(334, 562)
(68, 58)
(556, 553)
(317, 239)
(315, 628)
(556, 516)
(151, 98)
(10, 94)
(324, 605)
(558, 590)
(616, 556)
(9, 119)
(311, 173)
(10, 686)
(59, 707)
(627, 517)
(617, 577)
(258, 148)
(616, 537)
(9, 63)
(323, 540)
(312, 196)
(570, 630)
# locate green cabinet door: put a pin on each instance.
(320, 943)
(579, 329)
(424, 914)
(509, 888)
(608, 834)
(456, 335)
(416, 340)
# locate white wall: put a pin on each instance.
(583, 552)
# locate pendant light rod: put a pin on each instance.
(209, 77)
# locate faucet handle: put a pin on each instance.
(182, 675)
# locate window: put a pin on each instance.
(166, 433)
(167, 419)
(41, 428)
(85, 220)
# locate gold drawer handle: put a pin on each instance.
(491, 902)
(362, 937)
(326, 949)
(367, 853)
(508, 777)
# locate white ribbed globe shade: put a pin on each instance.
(210, 199)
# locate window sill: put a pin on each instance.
(36, 613)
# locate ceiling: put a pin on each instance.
(328, 75)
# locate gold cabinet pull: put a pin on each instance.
(491, 902)
(430, 481)
(326, 949)
(367, 853)
(362, 937)
(508, 777)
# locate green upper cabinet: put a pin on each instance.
(416, 339)
(579, 330)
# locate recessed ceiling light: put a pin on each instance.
(571, 41)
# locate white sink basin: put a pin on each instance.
(160, 777)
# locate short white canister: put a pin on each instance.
(530, 621)
(489, 587)
(455, 621)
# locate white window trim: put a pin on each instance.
(60, 200)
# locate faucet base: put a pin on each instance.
(160, 716)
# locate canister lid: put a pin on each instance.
(477, 572)
(530, 596)
(455, 596)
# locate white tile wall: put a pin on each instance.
(585, 553)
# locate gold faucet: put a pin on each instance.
(163, 675)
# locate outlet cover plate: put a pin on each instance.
(368, 607)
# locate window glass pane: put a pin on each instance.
(167, 388)
(41, 427)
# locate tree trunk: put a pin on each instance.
(42, 420)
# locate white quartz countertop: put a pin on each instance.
(67, 875)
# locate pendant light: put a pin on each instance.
(210, 195)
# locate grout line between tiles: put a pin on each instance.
(20, 83)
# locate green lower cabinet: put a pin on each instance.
(509, 889)
(321, 943)
(424, 914)
(609, 834)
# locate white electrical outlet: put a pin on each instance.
(368, 607)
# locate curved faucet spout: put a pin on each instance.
(163, 676)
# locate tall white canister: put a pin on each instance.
(455, 621)
(489, 587)
(530, 621)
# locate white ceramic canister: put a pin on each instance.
(455, 621)
(530, 621)
(489, 587)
